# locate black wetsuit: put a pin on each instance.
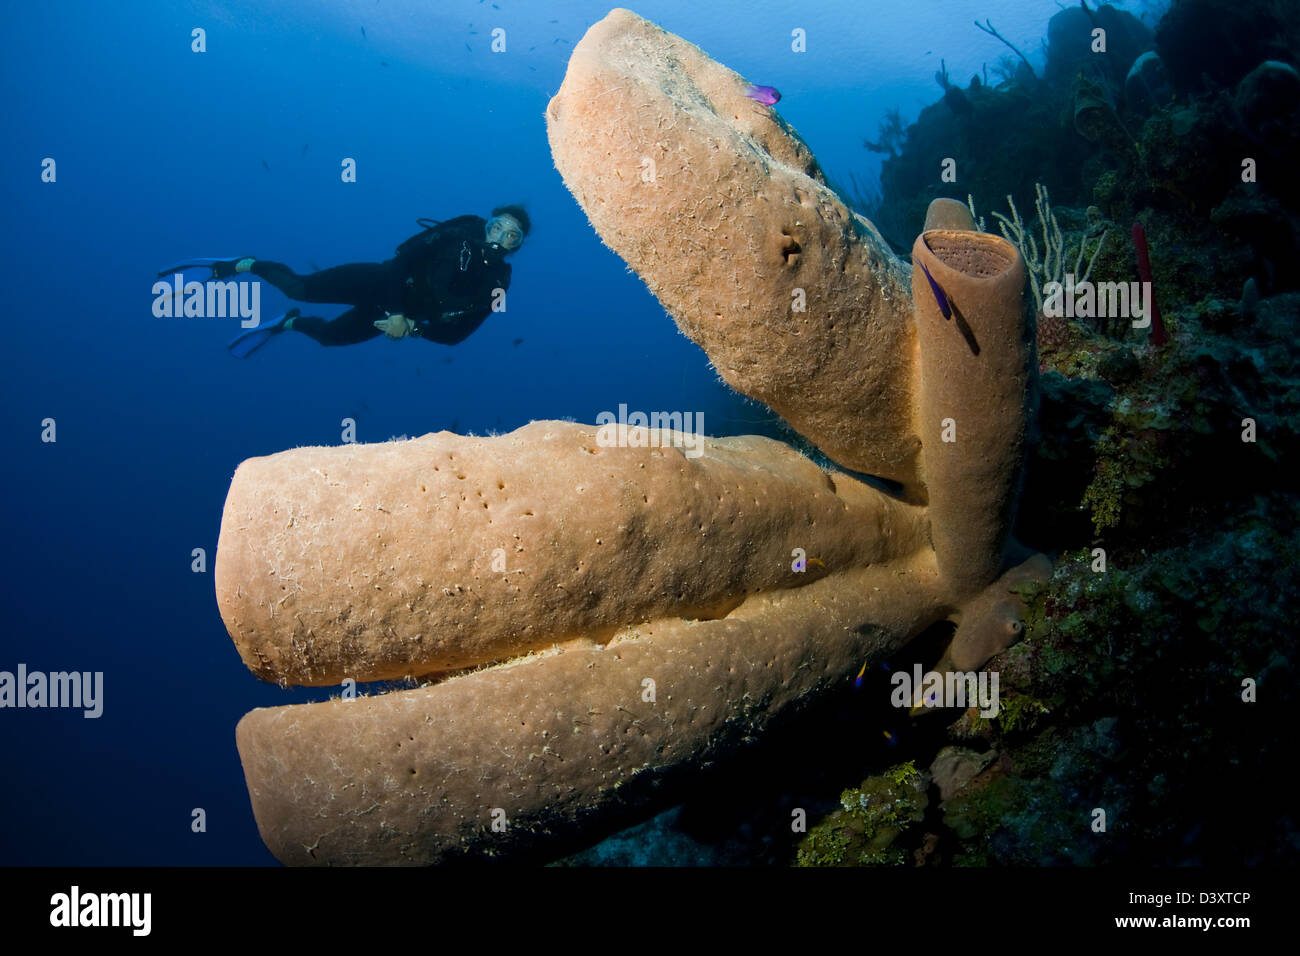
(443, 280)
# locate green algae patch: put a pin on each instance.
(866, 829)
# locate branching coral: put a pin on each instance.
(987, 27)
(892, 134)
(1048, 263)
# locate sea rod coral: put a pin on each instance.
(618, 617)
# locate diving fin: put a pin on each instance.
(222, 268)
(245, 344)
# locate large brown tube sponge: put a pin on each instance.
(723, 211)
(633, 613)
(977, 366)
(382, 561)
(550, 747)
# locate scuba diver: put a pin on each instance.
(440, 286)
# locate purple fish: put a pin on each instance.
(939, 294)
(767, 95)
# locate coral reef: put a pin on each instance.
(1132, 683)
(631, 612)
(871, 818)
(1070, 41)
(1157, 470)
(1052, 262)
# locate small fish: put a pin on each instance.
(363, 32)
(944, 306)
(304, 148)
(857, 681)
(383, 63)
(468, 47)
(519, 341)
(314, 267)
(890, 738)
(266, 166)
(767, 95)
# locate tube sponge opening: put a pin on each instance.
(975, 254)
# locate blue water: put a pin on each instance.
(163, 153)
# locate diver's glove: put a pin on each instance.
(395, 325)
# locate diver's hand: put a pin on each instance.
(395, 325)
